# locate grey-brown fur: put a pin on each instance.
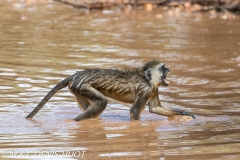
(137, 86)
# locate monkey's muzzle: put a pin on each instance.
(164, 77)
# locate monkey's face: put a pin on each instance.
(165, 72)
(156, 73)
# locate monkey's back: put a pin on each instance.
(122, 85)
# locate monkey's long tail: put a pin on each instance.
(59, 86)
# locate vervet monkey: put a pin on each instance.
(137, 86)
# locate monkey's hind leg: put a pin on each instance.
(81, 102)
(97, 103)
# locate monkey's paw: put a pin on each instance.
(187, 114)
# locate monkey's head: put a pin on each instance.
(156, 73)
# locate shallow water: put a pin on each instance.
(43, 44)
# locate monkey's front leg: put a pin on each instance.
(156, 107)
(137, 108)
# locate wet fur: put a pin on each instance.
(137, 86)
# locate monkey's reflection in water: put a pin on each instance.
(118, 139)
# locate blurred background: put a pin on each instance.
(45, 41)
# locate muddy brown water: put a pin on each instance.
(43, 44)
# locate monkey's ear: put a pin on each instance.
(147, 75)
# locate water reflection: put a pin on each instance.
(41, 45)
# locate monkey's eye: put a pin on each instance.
(162, 68)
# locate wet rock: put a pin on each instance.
(187, 5)
(181, 7)
(228, 15)
(173, 4)
(180, 118)
(148, 7)
(212, 14)
(128, 8)
(196, 7)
